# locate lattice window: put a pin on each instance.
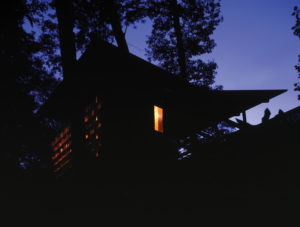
(93, 127)
(61, 147)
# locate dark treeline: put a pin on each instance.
(24, 75)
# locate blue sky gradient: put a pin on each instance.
(256, 49)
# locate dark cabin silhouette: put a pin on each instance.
(117, 106)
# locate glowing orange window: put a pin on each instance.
(158, 119)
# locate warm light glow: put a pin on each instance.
(93, 127)
(62, 158)
(65, 163)
(61, 147)
(66, 130)
(158, 119)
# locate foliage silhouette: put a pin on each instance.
(296, 29)
(25, 82)
(106, 20)
(181, 33)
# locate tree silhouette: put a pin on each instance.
(106, 19)
(24, 75)
(64, 13)
(115, 21)
(296, 29)
(181, 33)
(91, 19)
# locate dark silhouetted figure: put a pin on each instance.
(266, 116)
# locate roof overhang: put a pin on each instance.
(103, 67)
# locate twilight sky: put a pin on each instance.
(256, 49)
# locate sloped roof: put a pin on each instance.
(105, 67)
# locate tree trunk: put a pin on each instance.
(178, 33)
(64, 12)
(115, 22)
